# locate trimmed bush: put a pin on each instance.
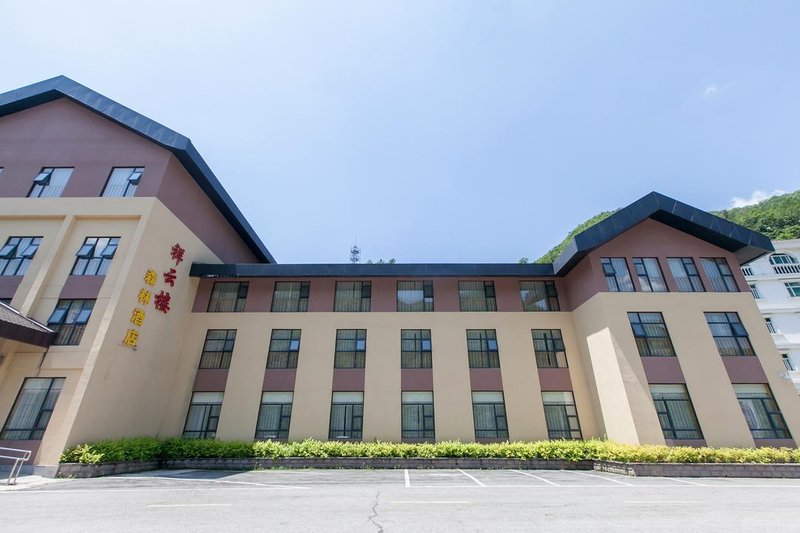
(147, 449)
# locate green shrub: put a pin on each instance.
(147, 448)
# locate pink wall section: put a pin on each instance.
(279, 379)
(554, 379)
(662, 370)
(320, 297)
(507, 295)
(485, 379)
(647, 239)
(210, 380)
(259, 295)
(82, 287)
(348, 379)
(445, 294)
(744, 369)
(9, 285)
(416, 379)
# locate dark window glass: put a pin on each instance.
(32, 409)
(549, 348)
(685, 273)
(482, 348)
(415, 348)
(476, 296)
(50, 183)
(352, 296)
(761, 411)
(290, 297)
(415, 296)
(538, 296)
(203, 415)
(618, 279)
(649, 273)
(347, 415)
(720, 274)
(417, 415)
(69, 321)
(284, 347)
(489, 415)
(351, 348)
(123, 181)
(675, 412)
(561, 415)
(16, 255)
(729, 334)
(650, 332)
(218, 348)
(274, 415)
(94, 257)
(228, 297)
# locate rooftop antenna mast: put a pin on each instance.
(355, 254)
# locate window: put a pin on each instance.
(762, 413)
(482, 348)
(6, 301)
(549, 348)
(347, 415)
(123, 181)
(489, 413)
(787, 362)
(675, 412)
(652, 337)
(32, 409)
(618, 279)
(685, 273)
(69, 321)
(476, 296)
(538, 296)
(417, 415)
(784, 264)
(352, 296)
(228, 297)
(351, 348)
(415, 296)
(290, 297)
(415, 348)
(770, 325)
(274, 415)
(794, 288)
(16, 255)
(284, 347)
(754, 291)
(94, 257)
(729, 334)
(50, 183)
(720, 274)
(218, 348)
(561, 415)
(649, 273)
(203, 415)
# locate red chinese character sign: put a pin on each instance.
(161, 299)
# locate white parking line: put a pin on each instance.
(685, 481)
(225, 481)
(428, 502)
(603, 477)
(408, 479)
(190, 505)
(472, 478)
(537, 477)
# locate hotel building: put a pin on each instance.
(139, 301)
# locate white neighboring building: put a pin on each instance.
(774, 280)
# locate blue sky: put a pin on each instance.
(438, 131)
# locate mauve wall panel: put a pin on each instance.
(663, 370)
(416, 379)
(210, 380)
(9, 285)
(82, 287)
(744, 369)
(348, 379)
(555, 379)
(485, 379)
(32, 445)
(279, 379)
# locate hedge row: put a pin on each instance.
(147, 449)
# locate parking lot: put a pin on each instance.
(399, 500)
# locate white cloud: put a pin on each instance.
(711, 91)
(757, 196)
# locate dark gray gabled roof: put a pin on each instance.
(16, 327)
(745, 243)
(63, 87)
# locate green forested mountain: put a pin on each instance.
(778, 218)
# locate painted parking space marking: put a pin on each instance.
(190, 505)
(686, 481)
(604, 478)
(536, 477)
(408, 478)
(473, 478)
(429, 502)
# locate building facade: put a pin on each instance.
(139, 301)
(774, 280)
